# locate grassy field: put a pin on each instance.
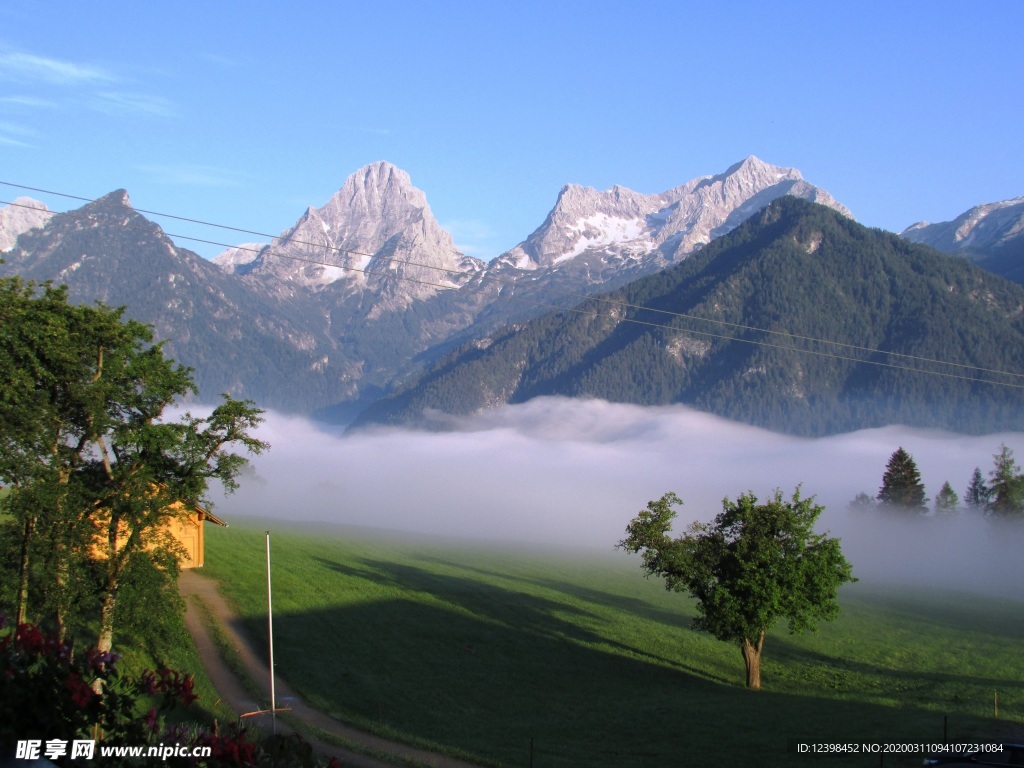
(483, 651)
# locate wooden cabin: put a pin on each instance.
(185, 528)
(188, 530)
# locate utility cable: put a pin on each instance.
(507, 281)
(522, 300)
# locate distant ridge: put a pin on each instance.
(270, 323)
(795, 268)
(991, 235)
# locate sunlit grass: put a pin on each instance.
(487, 649)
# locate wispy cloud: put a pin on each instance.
(84, 84)
(7, 141)
(192, 175)
(28, 101)
(13, 134)
(29, 68)
(472, 237)
(133, 103)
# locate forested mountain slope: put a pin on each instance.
(736, 330)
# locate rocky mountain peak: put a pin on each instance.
(19, 217)
(117, 198)
(375, 234)
(982, 228)
(620, 229)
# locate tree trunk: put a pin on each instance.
(23, 575)
(105, 638)
(752, 658)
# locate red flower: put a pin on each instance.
(81, 694)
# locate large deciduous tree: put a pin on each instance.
(901, 484)
(755, 565)
(95, 467)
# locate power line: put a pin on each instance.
(581, 297)
(512, 282)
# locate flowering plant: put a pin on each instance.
(48, 692)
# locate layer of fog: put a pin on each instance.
(566, 472)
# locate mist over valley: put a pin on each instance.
(572, 473)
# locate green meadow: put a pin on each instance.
(484, 651)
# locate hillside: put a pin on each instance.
(990, 235)
(366, 290)
(241, 342)
(753, 301)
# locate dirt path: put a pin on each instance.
(194, 586)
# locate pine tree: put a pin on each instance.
(946, 502)
(1007, 486)
(978, 492)
(901, 484)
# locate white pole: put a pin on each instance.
(270, 635)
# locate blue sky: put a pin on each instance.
(246, 113)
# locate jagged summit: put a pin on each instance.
(117, 197)
(982, 228)
(375, 234)
(623, 228)
(21, 216)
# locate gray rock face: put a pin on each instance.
(376, 235)
(24, 214)
(640, 233)
(981, 230)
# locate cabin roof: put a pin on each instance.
(208, 515)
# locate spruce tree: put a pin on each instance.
(1007, 486)
(901, 484)
(978, 492)
(946, 502)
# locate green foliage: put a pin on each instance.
(755, 565)
(799, 272)
(1006, 486)
(946, 502)
(49, 694)
(978, 492)
(96, 472)
(862, 502)
(46, 692)
(901, 484)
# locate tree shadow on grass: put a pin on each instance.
(788, 652)
(942, 609)
(633, 605)
(453, 660)
(506, 609)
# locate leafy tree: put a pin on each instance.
(51, 410)
(53, 697)
(753, 566)
(95, 469)
(946, 502)
(901, 484)
(978, 492)
(1007, 485)
(862, 502)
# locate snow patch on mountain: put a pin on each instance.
(647, 232)
(19, 217)
(377, 234)
(982, 228)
